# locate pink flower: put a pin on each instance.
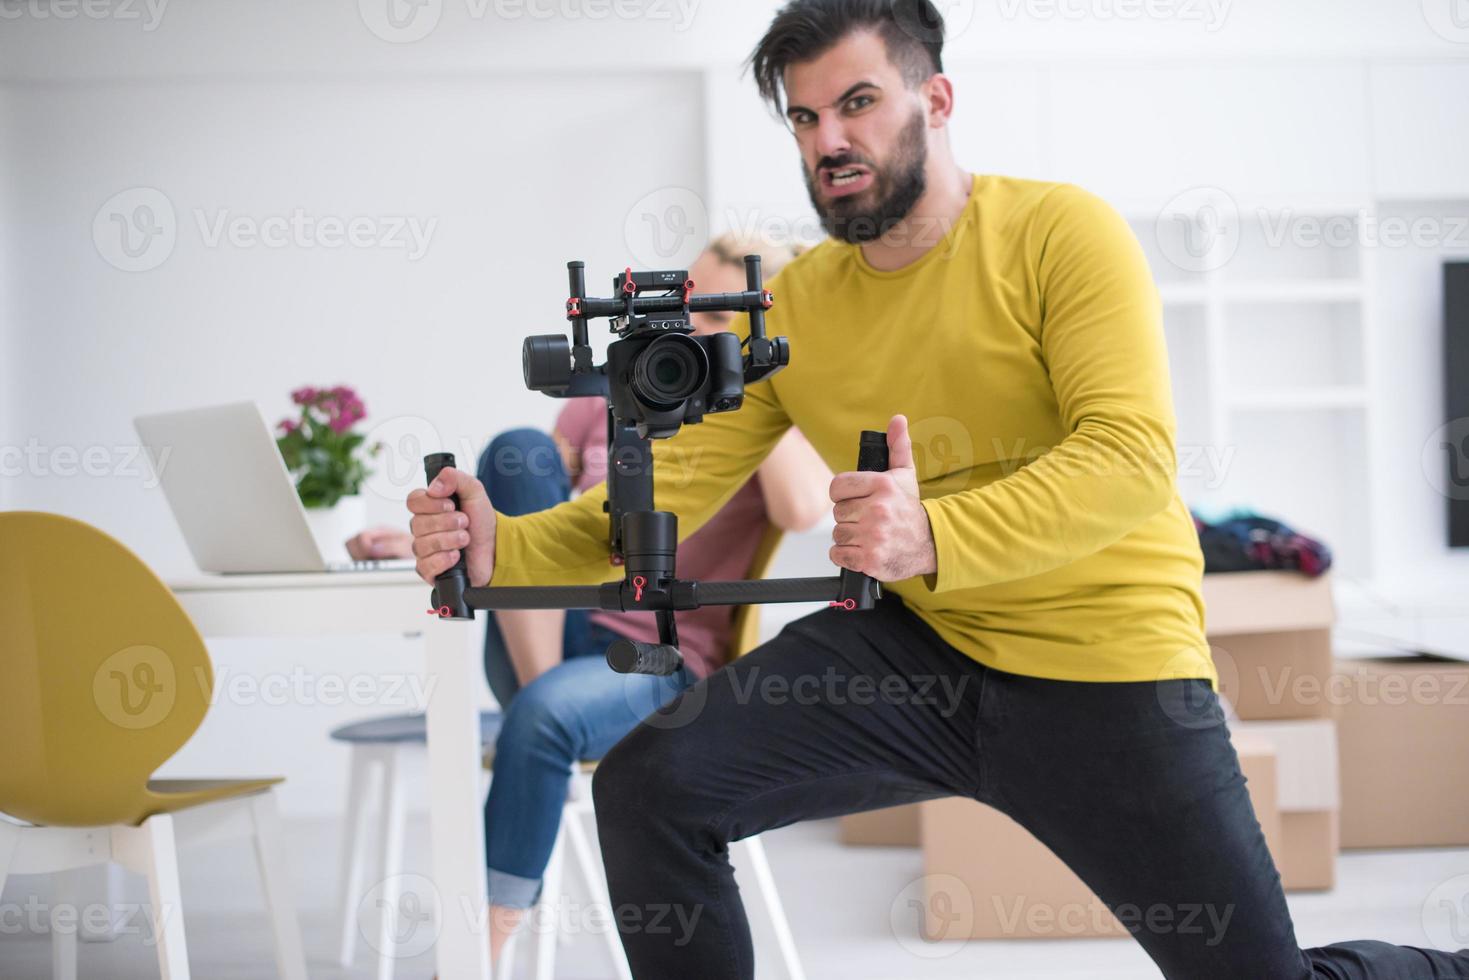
(341, 405)
(288, 426)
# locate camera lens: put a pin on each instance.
(669, 370)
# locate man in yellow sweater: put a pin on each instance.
(1041, 645)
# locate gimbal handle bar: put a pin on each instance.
(592, 307)
(454, 598)
(764, 354)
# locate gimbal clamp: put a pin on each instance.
(644, 540)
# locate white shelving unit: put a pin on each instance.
(1270, 338)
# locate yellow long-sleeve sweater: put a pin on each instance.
(1026, 348)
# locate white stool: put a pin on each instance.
(384, 745)
(381, 750)
(746, 854)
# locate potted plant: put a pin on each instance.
(328, 462)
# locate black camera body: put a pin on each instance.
(659, 375)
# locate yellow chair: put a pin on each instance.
(102, 679)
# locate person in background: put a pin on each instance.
(562, 702)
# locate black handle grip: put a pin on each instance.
(632, 657)
(860, 591)
(872, 452)
(448, 595)
(750, 592)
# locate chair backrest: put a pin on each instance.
(744, 634)
(102, 674)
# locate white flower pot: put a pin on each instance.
(332, 526)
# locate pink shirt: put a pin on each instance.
(721, 550)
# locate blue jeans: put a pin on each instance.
(575, 711)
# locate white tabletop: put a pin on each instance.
(212, 582)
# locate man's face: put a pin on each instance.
(862, 136)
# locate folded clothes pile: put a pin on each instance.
(1243, 541)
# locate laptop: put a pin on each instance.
(232, 495)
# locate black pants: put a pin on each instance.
(1134, 785)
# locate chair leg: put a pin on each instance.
(754, 858)
(270, 853)
(112, 887)
(66, 893)
(391, 840)
(505, 965)
(9, 844)
(596, 883)
(149, 849)
(550, 901)
(354, 852)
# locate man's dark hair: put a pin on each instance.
(911, 30)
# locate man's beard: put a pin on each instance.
(897, 187)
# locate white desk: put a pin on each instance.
(357, 603)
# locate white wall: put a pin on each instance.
(486, 158)
(481, 164)
(216, 37)
(1413, 525)
(511, 135)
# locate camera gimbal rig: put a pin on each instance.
(656, 378)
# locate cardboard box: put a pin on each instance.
(1270, 634)
(1258, 764)
(1307, 795)
(1310, 841)
(1404, 728)
(986, 877)
(894, 826)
